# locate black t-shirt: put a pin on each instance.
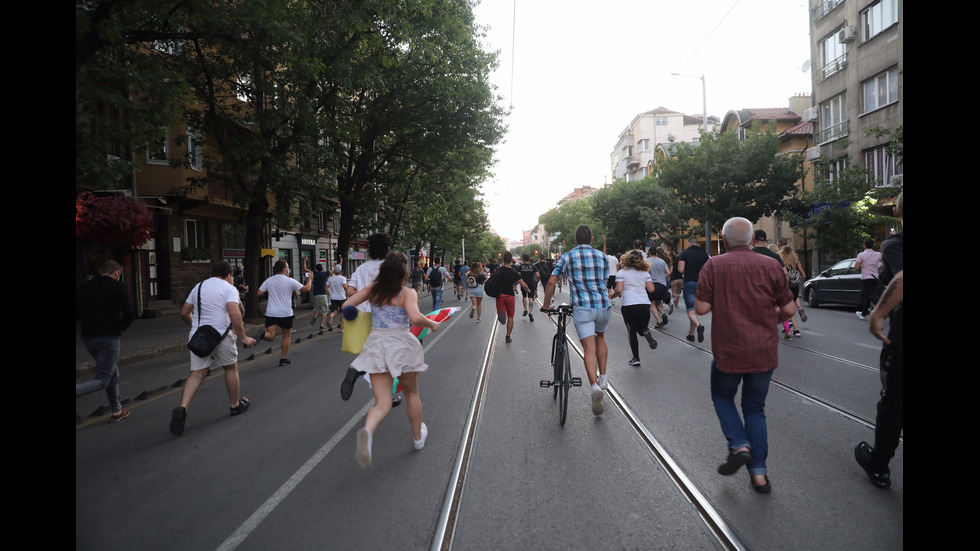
(543, 272)
(694, 259)
(508, 277)
(528, 273)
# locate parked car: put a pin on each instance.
(839, 284)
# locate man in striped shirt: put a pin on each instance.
(587, 270)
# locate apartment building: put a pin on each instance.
(856, 49)
(633, 156)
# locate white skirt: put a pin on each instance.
(394, 351)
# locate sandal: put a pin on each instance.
(241, 407)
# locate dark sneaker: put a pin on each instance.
(802, 314)
(502, 317)
(700, 333)
(396, 401)
(508, 339)
(177, 418)
(525, 313)
(284, 361)
(734, 462)
(634, 361)
(650, 339)
(347, 387)
(242, 406)
(862, 453)
(530, 317)
(663, 320)
(122, 414)
(690, 338)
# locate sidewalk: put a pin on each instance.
(147, 338)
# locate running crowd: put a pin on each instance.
(751, 290)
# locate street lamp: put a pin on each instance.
(704, 126)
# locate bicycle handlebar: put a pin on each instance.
(560, 309)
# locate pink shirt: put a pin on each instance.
(869, 263)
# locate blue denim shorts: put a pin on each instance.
(589, 321)
(690, 289)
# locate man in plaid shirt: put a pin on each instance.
(587, 270)
(748, 295)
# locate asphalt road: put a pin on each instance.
(283, 475)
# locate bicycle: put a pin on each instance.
(560, 362)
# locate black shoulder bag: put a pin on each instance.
(206, 338)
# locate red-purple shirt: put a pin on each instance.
(744, 289)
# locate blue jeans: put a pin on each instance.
(105, 350)
(436, 299)
(690, 289)
(752, 433)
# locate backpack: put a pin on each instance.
(471, 282)
(435, 280)
(794, 277)
(491, 287)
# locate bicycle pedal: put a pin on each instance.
(546, 384)
(576, 381)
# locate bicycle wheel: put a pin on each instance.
(557, 360)
(565, 383)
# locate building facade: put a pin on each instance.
(856, 50)
(632, 158)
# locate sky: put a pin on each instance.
(576, 72)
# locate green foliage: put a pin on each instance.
(723, 176)
(637, 210)
(562, 221)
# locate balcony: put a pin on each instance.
(833, 68)
(833, 132)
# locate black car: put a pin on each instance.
(839, 284)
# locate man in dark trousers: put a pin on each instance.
(890, 419)
(103, 306)
(747, 294)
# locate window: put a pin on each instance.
(881, 90)
(879, 17)
(833, 55)
(195, 152)
(833, 119)
(823, 7)
(158, 152)
(660, 121)
(644, 145)
(628, 151)
(194, 233)
(882, 167)
(232, 236)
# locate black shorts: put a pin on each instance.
(611, 282)
(283, 323)
(533, 293)
(660, 293)
(336, 304)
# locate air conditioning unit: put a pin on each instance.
(813, 153)
(847, 34)
(810, 115)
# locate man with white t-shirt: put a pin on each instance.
(337, 290)
(279, 310)
(379, 244)
(220, 307)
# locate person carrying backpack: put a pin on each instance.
(436, 276)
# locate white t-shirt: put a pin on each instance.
(613, 263)
(335, 286)
(215, 296)
(279, 289)
(634, 286)
(364, 275)
(658, 269)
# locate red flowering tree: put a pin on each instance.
(113, 220)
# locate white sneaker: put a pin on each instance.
(603, 382)
(860, 315)
(420, 443)
(597, 394)
(363, 453)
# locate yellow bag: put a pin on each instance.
(355, 333)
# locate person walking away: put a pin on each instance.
(475, 278)
(543, 272)
(689, 264)
(102, 305)
(761, 247)
(417, 279)
(529, 273)
(379, 244)
(746, 293)
(437, 276)
(220, 307)
(634, 284)
(279, 309)
(337, 291)
(506, 302)
(457, 280)
(890, 419)
(391, 351)
(587, 271)
(659, 272)
(464, 268)
(868, 262)
(676, 282)
(319, 296)
(796, 274)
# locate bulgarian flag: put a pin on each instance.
(439, 315)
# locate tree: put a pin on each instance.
(723, 176)
(561, 222)
(637, 210)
